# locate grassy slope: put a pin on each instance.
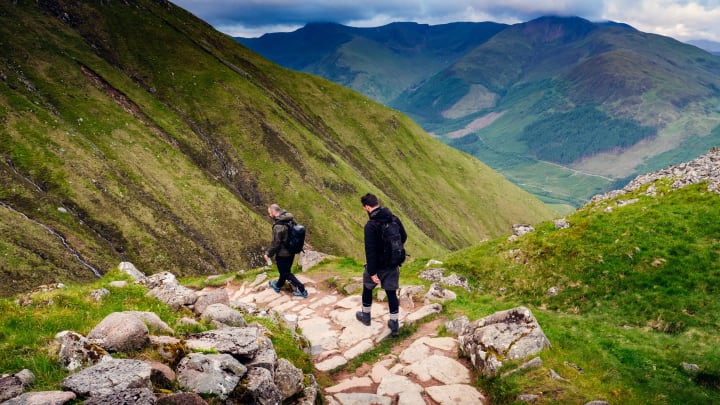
(164, 140)
(637, 287)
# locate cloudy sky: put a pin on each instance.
(680, 19)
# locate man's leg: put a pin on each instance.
(284, 264)
(394, 308)
(368, 286)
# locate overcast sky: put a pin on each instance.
(680, 19)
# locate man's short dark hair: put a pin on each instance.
(370, 200)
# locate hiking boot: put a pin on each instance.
(274, 286)
(363, 317)
(303, 294)
(394, 326)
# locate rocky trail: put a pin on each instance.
(422, 368)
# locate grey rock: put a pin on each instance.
(223, 314)
(512, 334)
(561, 223)
(522, 229)
(438, 293)
(77, 352)
(129, 269)
(217, 296)
(26, 376)
(242, 343)
(531, 398)
(288, 379)
(134, 396)
(258, 387)
(120, 332)
(42, 398)
(165, 287)
(457, 325)
(10, 387)
(216, 374)
(265, 357)
(118, 284)
(99, 294)
(109, 377)
(152, 321)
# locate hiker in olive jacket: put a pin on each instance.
(376, 270)
(283, 257)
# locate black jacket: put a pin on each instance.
(374, 257)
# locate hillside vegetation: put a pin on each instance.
(134, 131)
(635, 302)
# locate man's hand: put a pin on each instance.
(375, 279)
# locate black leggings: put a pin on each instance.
(284, 265)
(393, 303)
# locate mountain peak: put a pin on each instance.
(556, 29)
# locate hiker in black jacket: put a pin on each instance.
(283, 257)
(376, 270)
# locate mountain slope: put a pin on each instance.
(600, 100)
(564, 107)
(378, 62)
(134, 131)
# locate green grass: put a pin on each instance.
(27, 331)
(638, 289)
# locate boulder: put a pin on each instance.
(506, 335)
(218, 296)
(216, 374)
(288, 379)
(223, 314)
(77, 352)
(120, 332)
(239, 342)
(129, 269)
(10, 387)
(258, 387)
(109, 377)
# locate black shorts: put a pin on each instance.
(389, 279)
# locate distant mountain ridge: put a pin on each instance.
(379, 62)
(564, 107)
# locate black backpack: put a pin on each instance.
(295, 237)
(393, 249)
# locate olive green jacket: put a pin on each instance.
(279, 236)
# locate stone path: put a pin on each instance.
(422, 370)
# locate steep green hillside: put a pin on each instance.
(636, 298)
(133, 131)
(379, 62)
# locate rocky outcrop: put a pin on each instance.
(506, 335)
(705, 168)
(237, 364)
